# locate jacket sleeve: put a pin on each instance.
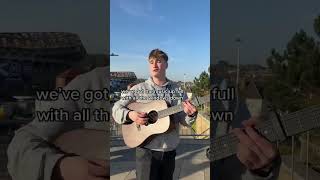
(273, 175)
(30, 154)
(119, 109)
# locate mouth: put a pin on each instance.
(155, 70)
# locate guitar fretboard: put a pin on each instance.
(226, 145)
(301, 121)
(272, 129)
(179, 107)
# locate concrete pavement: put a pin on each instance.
(191, 162)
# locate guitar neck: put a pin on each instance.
(301, 121)
(178, 108)
(226, 145)
(272, 129)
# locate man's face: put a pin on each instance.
(157, 67)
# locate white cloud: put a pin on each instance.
(139, 8)
(136, 7)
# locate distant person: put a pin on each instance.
(32, 154)
(156, 159)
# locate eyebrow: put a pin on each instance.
(152, 60)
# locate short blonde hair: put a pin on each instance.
(157, 53)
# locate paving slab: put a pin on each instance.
(191, 162)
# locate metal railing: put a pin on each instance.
(303, 160)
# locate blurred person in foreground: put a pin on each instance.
(256, 157)
(32, 155)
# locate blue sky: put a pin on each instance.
(180, 28)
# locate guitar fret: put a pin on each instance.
(301, 121)
(224, 146)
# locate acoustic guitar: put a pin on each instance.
(275, 128)
(158, 114)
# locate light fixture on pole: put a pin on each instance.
(112, 54)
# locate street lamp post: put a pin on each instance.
(238, 41)
(184, 81)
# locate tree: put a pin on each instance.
(296, 70)
(276, 62)
(201, 85)
(298, 64)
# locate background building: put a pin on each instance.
(120, 80)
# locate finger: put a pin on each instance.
(245, 140)
(143, 119)
(184, 104)
(185, 108)
(142, 114)
(266, 147)
(192, 108)
(189, 108)
(97, 171)
(246, 156)
(252, 121)
(189, 102)
(250, 144)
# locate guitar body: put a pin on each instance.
(88, 143)
(135, 135)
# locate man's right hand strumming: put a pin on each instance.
(138, 117)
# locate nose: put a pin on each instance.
(154, 65)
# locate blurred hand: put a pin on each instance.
(138, 117)
(254, 151)
(189, 108)
(78, 168)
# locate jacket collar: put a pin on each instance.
(150, 81)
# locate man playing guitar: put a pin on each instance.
(156, 159)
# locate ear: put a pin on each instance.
(167, 65)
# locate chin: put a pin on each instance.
(155, 74)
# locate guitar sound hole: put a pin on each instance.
(153, 117)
